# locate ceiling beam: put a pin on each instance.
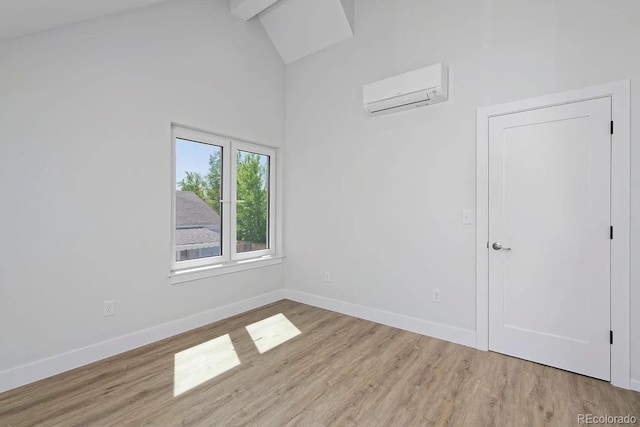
(299, 28)
(247, 9)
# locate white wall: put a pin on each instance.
(378, 201)
(635, 231)
(85, 114)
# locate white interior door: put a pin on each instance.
(549, 209)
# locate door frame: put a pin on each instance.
(620, 95)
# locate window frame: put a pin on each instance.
(228, 231)
(264, 151)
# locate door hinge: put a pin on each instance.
(611, 232)
(611, 127)
(610, 337)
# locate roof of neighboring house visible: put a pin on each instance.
(192, 211)
(197, 236)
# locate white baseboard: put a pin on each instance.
(635, 385)
(424, 327)
(34, 371)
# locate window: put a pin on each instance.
(252, 201)
(223, 200)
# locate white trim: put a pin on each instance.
(35, 371)
(189, 275)
(228, 258)
(620, 213)
(635, 385)
(271, 202)
(225, 237)
(621, 243)
(223, 135)
(424, 327)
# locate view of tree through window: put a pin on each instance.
(252, 195)
(199, 195)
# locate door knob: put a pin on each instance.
(498, 246)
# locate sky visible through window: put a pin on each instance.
(194, 157)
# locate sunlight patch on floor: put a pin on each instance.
(203, 362)
(271, 332)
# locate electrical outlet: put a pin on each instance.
(436, 295)
(327, 276)
(467, 217)
(109, 308)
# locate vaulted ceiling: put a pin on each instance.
(22, 17)
(297, 28)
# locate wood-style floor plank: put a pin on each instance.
(339, 371)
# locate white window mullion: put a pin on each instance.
(227, 215)
(174, 256)
(233, 232)
(271, 201)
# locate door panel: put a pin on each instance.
(549, 201)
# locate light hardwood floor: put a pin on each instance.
(338, 371)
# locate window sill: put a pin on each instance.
(191, 274)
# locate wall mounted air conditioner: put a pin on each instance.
(417, 88)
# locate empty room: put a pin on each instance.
(319, 212)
